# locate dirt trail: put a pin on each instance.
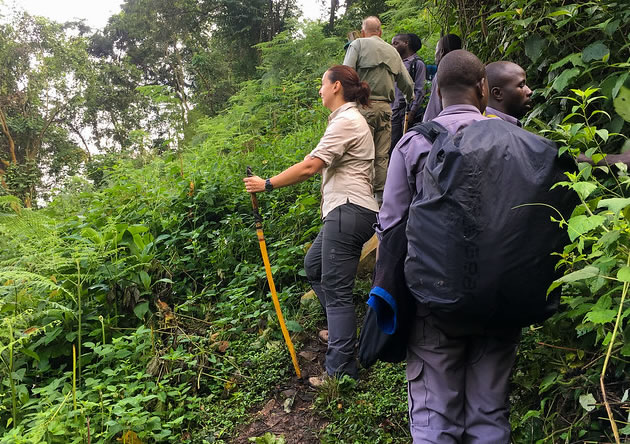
(288, 412)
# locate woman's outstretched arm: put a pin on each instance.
(294, 174)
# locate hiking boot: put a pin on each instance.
(323, 335)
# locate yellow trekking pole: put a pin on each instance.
(272, 287)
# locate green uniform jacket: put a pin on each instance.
(380, 65)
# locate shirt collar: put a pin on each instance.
(341, 109)
(492, 112)
(458, 109)
(411, 57)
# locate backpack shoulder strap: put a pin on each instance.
(430, 131)
(413, 70)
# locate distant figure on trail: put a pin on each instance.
(380, 65)
(457, 372)
(345, 156)
(510, 97)
(446, 44)
(407, 46)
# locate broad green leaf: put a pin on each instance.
(615, 204)
(138, 241)
(584, 189)
(503, 14)
(524, 22)
(141, 309)
(294, 326)
(584, 273)
(588, 402)
(603, 303)
(602, 133)
(145, 279)
(547, 382)
(600, 316)
(608, 85)
(561, 82)
(618, 84)
(624, 274)
(579, 225)
(136, 229)
(609, 238)
(93, 235)
(622, 103)
(595, 51)
(559, 13)
(534, 46)
(575, 59)
(530, 414)
(28, 352)
(553, 286)
(611, 27)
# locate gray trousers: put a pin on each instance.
(458, 382)
(331, 265)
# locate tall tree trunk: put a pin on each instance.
(7, 133)
(272, 21)
(333, 9)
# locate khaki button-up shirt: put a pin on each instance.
(347, 150)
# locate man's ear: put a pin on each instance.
(380, 33)
(496, 93)
(362, 33)
(480, 87)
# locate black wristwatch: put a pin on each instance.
(268, 185)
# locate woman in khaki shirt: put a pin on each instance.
(345, 157)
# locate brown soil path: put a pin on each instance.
(289, 411)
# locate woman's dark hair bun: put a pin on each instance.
(354, 90)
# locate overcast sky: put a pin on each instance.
(96, 12)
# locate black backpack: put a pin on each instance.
(480, 235)
(391, 307)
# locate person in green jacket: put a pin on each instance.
(379, 64)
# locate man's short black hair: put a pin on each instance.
(414, 42)
(460, 70)
(499, 73)
(450, 42)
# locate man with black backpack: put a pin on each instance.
(407, 46)
(459, 360)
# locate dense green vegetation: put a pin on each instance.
(133, 301)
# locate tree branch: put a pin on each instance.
(78, 133)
